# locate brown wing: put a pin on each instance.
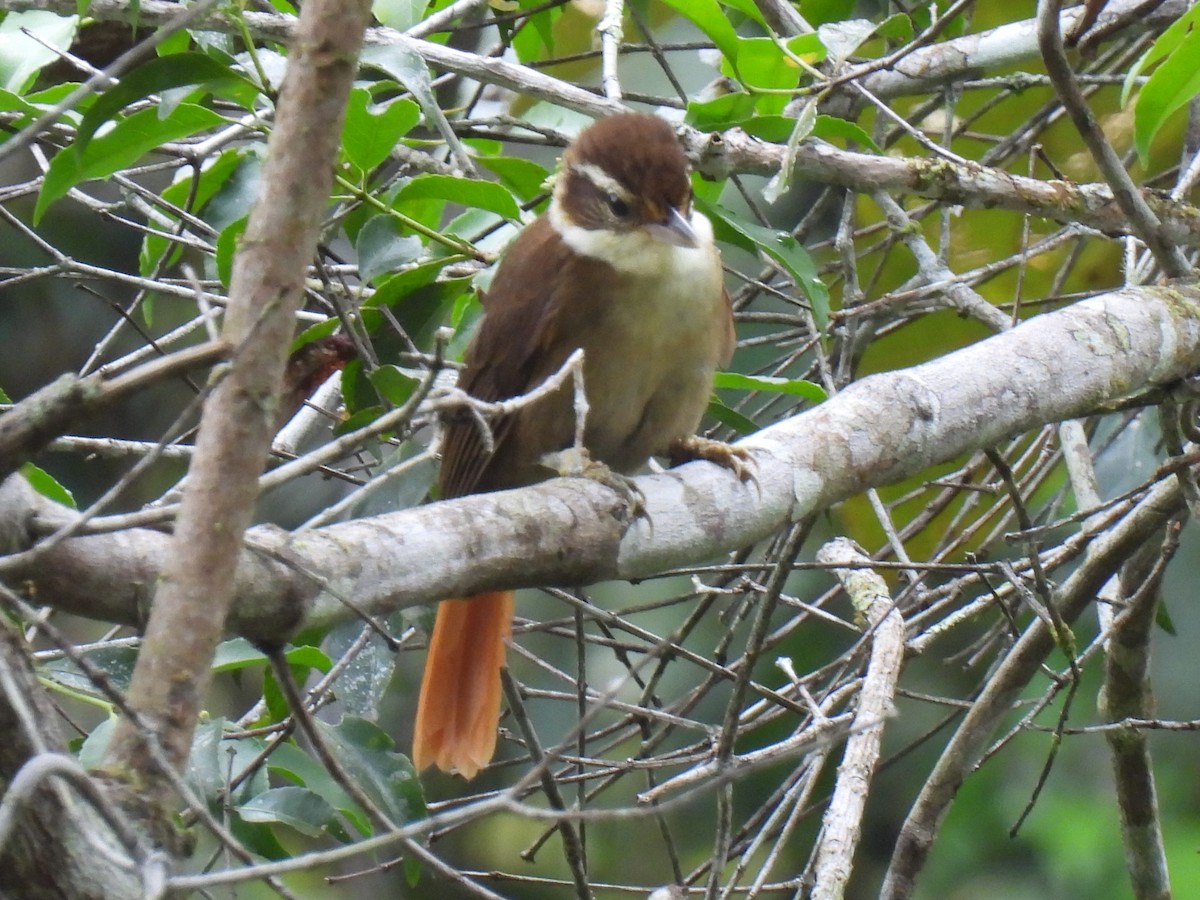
(515, 349)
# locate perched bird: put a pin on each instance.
(621, 266)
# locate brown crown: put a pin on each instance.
(639, 152)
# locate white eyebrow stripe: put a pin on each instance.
(601, 179)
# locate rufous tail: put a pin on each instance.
(459, 709)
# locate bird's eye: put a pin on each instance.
(619, 207)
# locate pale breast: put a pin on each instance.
(659, 338)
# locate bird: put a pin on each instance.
(623, 267)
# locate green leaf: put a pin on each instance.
(842, 39)
(382, 249)
(404, 64)
(401, 284)
(760, 65)
(1162, 618)
(127, 142)
(772, 129)
(829, 127)
(22, 57)
(238, 653)
(360, 418)
(94, 748)
(368, 755)
(898, 29)
(819, 12)
(10, 102)
(365, 679)
(399, 14)
(199, 189)
(179, 42)
(47, 485)
(1166, 44)
(116, 663)
(708, 16)
(778, 246)
(721, 112)
(535, 39)
(153, 77)
(394, 385)
(466, 191)
(290, 762)
(1175, 82)
(227, 246)
(371, 131)
(731, 418)
(213, 757)
(795, 386)
(296, 807)
(525, 177)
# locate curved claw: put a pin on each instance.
(694, 447)
(576, 462)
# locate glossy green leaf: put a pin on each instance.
(731, 418)
(115, 662)
(399, 14)
(359, 418)
(720, 112)
(806, 120)
(213, 756)
(369, 756)
(22, 57)
(465, 191)
(819, 12)
(778, 246)
(199, 189)
(748, 8)
(290, 762)
(364, 681)
(405, 65)
(296, 807)
(371, 131)
(1164, 45)
(47, 485)
(760, 65)
(1172, 85)
(843, 39)
(795, 386)
(898, 28)
(393, 384)
(772, 129)
(535, 39)
(10, 102)
(95, 746)
(153, 77)
(525, 177)
(404, 283)
(127, 142)
(708, 16)
(383, 249)
(830, 127)
(239, 653)
(227, 246)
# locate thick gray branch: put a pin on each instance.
(880, 430)
(972, 185)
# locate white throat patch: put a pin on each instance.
(635, 252)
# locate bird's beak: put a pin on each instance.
(676, 230)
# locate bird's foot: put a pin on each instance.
(694, 447)
(576, 462)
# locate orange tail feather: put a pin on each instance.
(459, 709)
